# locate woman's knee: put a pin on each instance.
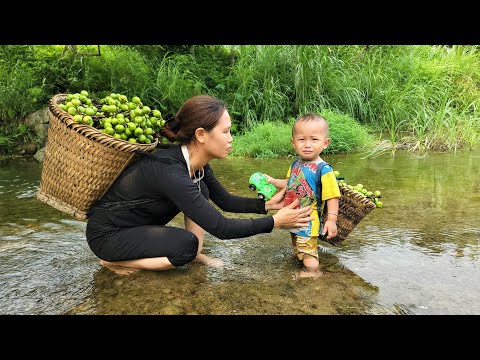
(187, 250)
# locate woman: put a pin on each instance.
(126, 227)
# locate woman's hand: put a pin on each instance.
(289, 217)
(276, 202)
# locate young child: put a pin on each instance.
(309, 139)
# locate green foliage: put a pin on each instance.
(272, 139)
(346, 133)
(257, 89)
(385, 87)
(175, 82)
(150, 52)
(264, 141)
(21, 92)
(181, 75)
(155, 52)
(13, 135)
(120, 69)
(212, 64)
(425, 96)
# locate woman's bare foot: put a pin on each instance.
(208, 261)
(119, 270)
(307, 274)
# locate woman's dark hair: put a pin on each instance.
(201, 111)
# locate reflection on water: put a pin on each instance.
(417, 255)
(427, 277)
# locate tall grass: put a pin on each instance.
(393, 89)
(178, 76)
(273, 139)
(120, 69)
(257, 88)
(12, 135)
(422, 96)
(22, 88)
(31, 75)
(20, 92)
(175, 82)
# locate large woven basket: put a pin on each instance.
(352, 209)
(80, 162)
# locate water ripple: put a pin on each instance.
(417, 255)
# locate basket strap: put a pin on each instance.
(122, 205)
(318, 182)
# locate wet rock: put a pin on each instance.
(39, 122)
(40, 155)
(27, 149)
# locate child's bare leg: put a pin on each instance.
(311, 268)
(200, 233)
(306, 250)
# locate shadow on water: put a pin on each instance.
(417, 255)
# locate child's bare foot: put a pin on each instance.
(119, 270)
(208, 261)
(307, 274)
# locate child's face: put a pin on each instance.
(310, 139)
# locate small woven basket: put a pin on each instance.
(352, 209)
(80, 162)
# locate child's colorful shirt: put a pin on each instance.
(301, 184)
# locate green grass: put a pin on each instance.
(14, 135)
(417, 96)
(273, 139)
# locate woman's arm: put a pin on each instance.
(185, 196)
(173, 183)
(228, 202)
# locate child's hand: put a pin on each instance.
(330, 228)
(269, 178)
(278, 183)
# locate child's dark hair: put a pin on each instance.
(311, 117)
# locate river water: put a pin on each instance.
(419, 254)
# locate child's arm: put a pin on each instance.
(278, 183)
(330, 227)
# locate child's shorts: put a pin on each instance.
(304, 245)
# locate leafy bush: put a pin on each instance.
(272, 139)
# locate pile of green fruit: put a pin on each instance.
(359, 189)
(115, 115)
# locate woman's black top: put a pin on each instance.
(155, 188)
